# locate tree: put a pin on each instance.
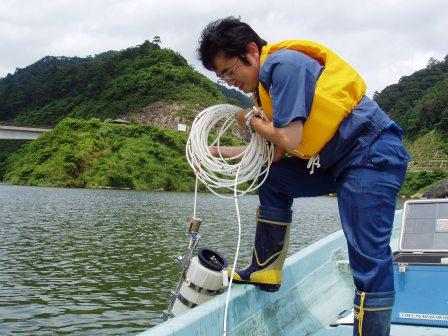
(156, 39)
(431, 62)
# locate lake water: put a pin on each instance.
(97, 262)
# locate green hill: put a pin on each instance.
(7, 147)
(99, 154)
(419, 103)
(429, 152)
(96, 154)
(144, 84)
(111, 84)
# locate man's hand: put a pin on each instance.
(287, 137)
(241, 118)
(226, 152)
(279, 153)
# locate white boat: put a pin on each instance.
(317, 291)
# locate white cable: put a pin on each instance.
(219, 172)
(313, 162)
(195, 197)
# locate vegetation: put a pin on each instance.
(235, 97)
(105, 86)
(6, 148)
(419, 102)
(417, 183)
(94, 154)
(429, 152)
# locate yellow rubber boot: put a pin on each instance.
(269, 253)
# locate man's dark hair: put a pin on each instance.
(228, 35)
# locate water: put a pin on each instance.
(97, 262)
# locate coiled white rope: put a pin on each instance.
(220, 172)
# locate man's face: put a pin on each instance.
(236, 72)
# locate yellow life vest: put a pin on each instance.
(338, 90)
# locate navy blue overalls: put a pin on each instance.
(364, 163)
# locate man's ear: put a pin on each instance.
(252, 54)
(253, 49)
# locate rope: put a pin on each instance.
(218, 173)
(313, 161)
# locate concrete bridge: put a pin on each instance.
(22, 132)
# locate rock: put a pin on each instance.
(439, 190)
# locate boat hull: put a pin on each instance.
(317, 289)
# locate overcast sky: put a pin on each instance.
(383, 39)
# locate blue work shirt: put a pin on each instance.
(290, 77)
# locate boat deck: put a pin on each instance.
(344, 327)
(396, 330)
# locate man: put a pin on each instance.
(340, 141)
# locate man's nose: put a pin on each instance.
(230, 82)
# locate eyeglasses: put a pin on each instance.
(229, 74)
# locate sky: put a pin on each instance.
(383, 39)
